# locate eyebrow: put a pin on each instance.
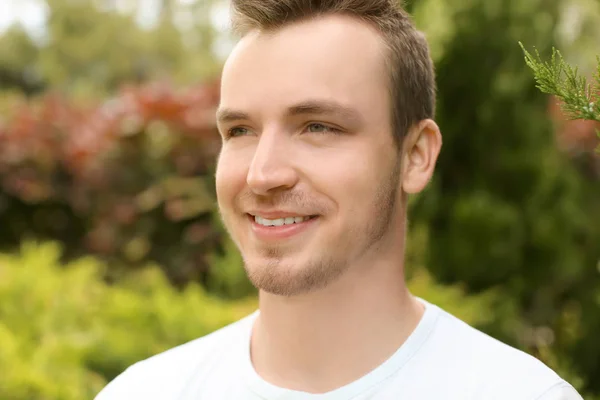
(309, 107)
(225, 115)
(321, 107)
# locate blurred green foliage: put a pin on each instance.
(91, 51)
(64, 333)
(506, 208)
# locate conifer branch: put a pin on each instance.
(579, 98)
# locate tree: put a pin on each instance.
(506, 208)
(18, 58)
(579, 100)
(94, 50)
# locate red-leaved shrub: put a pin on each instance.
(129, 179)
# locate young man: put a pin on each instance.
(326, 118)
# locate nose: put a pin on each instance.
(271, 168)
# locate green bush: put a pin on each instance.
(64, 333)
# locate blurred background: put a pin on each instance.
(111, 248)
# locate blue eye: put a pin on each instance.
(321, 128)
(238, 131)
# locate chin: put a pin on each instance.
(288, 277)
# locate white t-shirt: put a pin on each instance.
(443, 358)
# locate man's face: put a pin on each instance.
(308, 175)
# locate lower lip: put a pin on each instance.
(280, 232)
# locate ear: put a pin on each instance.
(420, 151)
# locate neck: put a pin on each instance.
(303, 342)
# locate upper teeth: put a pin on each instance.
(279, 221)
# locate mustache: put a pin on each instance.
(282, 200)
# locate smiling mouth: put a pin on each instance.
(280, 221)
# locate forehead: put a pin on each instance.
(332, 58)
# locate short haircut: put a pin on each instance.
(411, 71)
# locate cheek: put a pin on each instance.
(355, 185)
(353, 176)
(345, 186)
(229, 180)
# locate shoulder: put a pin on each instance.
(163, 375)
(560, 391)
(490, 368)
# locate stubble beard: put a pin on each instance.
(278, 278)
